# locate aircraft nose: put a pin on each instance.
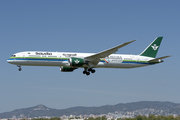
(9, 60)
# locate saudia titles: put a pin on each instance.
(46, 53)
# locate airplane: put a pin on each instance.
(69, 61)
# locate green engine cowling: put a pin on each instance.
(77, 62)
(66, 69)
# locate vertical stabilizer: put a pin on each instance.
(153, 48)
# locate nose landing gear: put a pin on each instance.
(19, 67)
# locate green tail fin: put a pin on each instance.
(152, 49)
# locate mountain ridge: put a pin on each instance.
(42, 110)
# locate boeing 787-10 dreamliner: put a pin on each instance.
(69, 61)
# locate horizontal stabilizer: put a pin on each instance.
(159, 59)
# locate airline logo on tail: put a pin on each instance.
(155, 47)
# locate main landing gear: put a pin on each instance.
(87, 71)
(19, 67)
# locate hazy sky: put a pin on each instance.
(88, 26)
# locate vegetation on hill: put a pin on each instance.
(139, 117)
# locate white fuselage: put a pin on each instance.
(40, 58)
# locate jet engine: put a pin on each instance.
(66, 69)
(77, 62)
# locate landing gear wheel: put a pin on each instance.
(93, 71)
(87, 73)
(90, 69)
(19, 69)
(84, 72)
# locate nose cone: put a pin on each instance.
(10, 60)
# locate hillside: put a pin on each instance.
(41, 110)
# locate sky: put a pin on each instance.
(89, 27)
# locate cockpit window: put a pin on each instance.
(13, 56)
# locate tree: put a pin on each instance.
(170, 117)
(152, 117)
(55, 118)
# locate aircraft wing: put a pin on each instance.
(95, 59)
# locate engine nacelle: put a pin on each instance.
(66, 69)
(77, 62)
